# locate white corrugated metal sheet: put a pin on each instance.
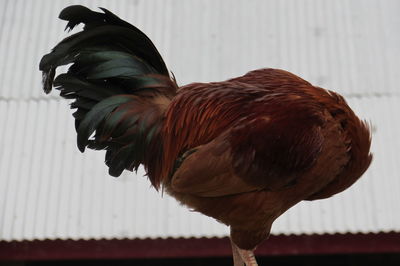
(49, 190)
(348, 45)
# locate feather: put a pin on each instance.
(100, 29)
(95, 116)
(115, 76)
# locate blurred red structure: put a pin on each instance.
(197, 247)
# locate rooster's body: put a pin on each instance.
(242, 151)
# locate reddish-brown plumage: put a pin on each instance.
(252, 147)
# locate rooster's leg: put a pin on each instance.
(237, 260)
(241, 256)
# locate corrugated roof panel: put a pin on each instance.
(53, 191)
(346, 45)
(49, 190)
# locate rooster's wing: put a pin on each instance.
(231, 137)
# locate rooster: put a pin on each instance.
(242, 151)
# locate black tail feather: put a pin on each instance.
(115, 73)
(104, 33)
